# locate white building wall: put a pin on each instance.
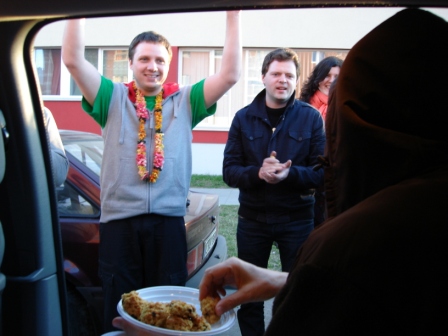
(295, 28)
(207, 158)
(338, 28)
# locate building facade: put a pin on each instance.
(197, 40)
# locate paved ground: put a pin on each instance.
(229, 196)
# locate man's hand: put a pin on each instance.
(272, 170)
(252, 283)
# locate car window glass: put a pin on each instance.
(88, 153)
(71, 203)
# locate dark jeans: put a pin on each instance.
(138, 252)
(254, 241)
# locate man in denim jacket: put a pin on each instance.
(273, 145)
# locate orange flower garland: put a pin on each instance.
(143, 115)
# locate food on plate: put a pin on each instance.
(175, 315)
(133, 304)
(208, 305)
(153, 313)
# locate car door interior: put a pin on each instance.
(3, 142)
(33, 299)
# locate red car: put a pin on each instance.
(79, 213)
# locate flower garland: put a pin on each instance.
(143, 115)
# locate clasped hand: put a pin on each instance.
(272, 171)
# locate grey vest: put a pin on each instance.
(123, 194)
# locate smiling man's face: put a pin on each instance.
(150, 66)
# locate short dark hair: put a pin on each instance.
(318, 74)
(281, 54)
(152, 37)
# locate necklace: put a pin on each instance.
(143, 115)
(275, 115)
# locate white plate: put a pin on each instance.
(186, 294)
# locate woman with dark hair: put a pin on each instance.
(315, 92)
(316, 87)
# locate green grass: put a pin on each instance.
(207, 181)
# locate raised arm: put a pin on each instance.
(218, 84)
(84, 73)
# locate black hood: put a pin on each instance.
(387, 117)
